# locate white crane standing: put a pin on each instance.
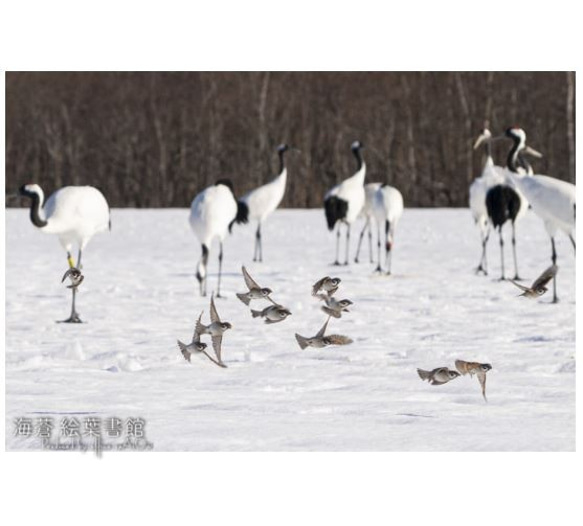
(264, 200)
(553, 200)
(212, 214)
(491, 175)
(74, 214)
(343, 202)
(388, 210)
(367, 212)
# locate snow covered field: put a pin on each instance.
(140, 295)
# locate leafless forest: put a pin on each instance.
(156, 139)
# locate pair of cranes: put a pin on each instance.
(502, 194)
(378, 203)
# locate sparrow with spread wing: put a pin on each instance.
(255, 291)
(196, 346)
(438, 376)
(538, 288)
(320, 340)
(326, 284)
(479, 369)
(215, 329)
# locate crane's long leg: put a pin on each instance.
(379, 269)
(516, 276)
(347, 243)
(501, 252)
(388, 247)
(337, 262)
(256, 249)
(483, 266)
(220, 270)
(366, 224)
(74, 316)
(370, 243)
(554, 258)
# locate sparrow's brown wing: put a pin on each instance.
(466, 367)
(545, 277)
(214, 314)
(521, 287)
(317, 285)
(196, 335)
(217, 340)
(482, 379)
(249, 281)
(322, 331)
(338, 339)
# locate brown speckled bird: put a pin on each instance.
(255, 291)
(326, 284)
(479, 369)
(215, 329)
(538, 287)
(320, 340)
(196, 346)
(438, 376)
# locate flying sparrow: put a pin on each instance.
(334, 307)
(479, 369)
(327, 284)
(255, 291)
(215, 329)
(196, 346)
(319, 340)
(538, 287)
(272, 314)
(74, 274)
(438, 376)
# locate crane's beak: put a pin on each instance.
(532, 152)
(479, 141)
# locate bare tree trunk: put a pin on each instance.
(467, 125)
(571, 123)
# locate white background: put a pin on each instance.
(289, 488)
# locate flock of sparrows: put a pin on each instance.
(324, 289)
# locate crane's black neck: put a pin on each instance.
(356, 152)
(281, 161)
(513, 157)
(35, 211)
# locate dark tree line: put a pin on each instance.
(156, 139)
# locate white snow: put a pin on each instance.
(140, 295)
